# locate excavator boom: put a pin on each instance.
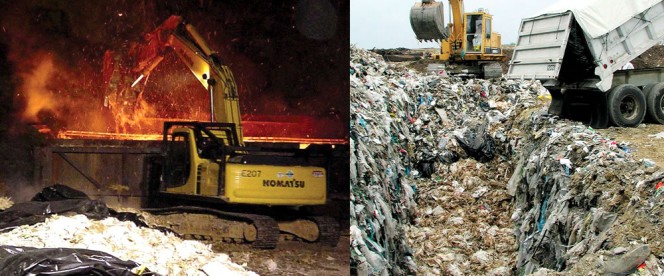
(197, 55)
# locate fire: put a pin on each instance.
(131, 115)
(74, 134)
(122, 94)
(36, 92)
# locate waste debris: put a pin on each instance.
(5, 203)
(473, 177)
(658, 135)
(64, 261)
(161, 253)
(58, 230)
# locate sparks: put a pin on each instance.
(137, 80)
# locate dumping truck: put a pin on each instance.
(468, 40)
(577, 51)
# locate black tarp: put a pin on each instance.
(16, 260)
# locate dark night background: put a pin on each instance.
(288, 58)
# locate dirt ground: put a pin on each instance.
(292, 258)
(641, 144)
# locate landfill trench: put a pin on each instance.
(474, 177)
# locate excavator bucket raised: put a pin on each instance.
(427, 21)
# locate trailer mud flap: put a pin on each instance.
(589, 107)
(557, 100)
(600, 117)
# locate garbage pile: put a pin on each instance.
(406, 126)
(159, 252)
(472, 177)
(382, 196)
(62, 231)
(582, 203)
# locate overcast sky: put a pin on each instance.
(386, 23)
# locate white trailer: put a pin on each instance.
(577, 48)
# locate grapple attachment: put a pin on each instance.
(428, 21)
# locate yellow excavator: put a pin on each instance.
(238, 189)
(468, 40)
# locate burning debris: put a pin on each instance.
(94, 67)
(473, 177)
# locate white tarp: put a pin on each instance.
(598, 17)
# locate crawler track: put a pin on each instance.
(267, 229)
(329, 230)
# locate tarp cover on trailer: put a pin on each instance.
(598, 17)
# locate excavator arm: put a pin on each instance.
(215, 77)
(456, 7)
(197, 55)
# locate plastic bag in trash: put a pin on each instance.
(59, 192)
(476, 142)
(34, 212)
(425, 164)
(448, 157)
(16, 260)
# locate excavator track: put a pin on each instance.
(329, 230)
(267, 229)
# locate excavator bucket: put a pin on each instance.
(427, 21)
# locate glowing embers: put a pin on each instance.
(303, 141)
(75, 134)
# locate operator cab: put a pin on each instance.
(478, 29)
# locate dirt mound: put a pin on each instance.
(653, 57)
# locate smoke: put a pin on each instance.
(38, 97)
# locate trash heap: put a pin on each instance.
(582, 203)
(382, 196)
(159, 252)
(474, 178)
(405, 128)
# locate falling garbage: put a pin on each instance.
(473, 177)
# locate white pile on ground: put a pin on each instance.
(5, 203)
(159, 252)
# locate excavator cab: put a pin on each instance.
(478, 37)
(205, 159)
(474, 33)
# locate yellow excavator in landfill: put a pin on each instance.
(235, 189)
(468, 40)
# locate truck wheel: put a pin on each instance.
(654, 94)
(626, 105)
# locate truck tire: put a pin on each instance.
(654, 94)
(626, 105)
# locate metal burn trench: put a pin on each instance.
(113, 170)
